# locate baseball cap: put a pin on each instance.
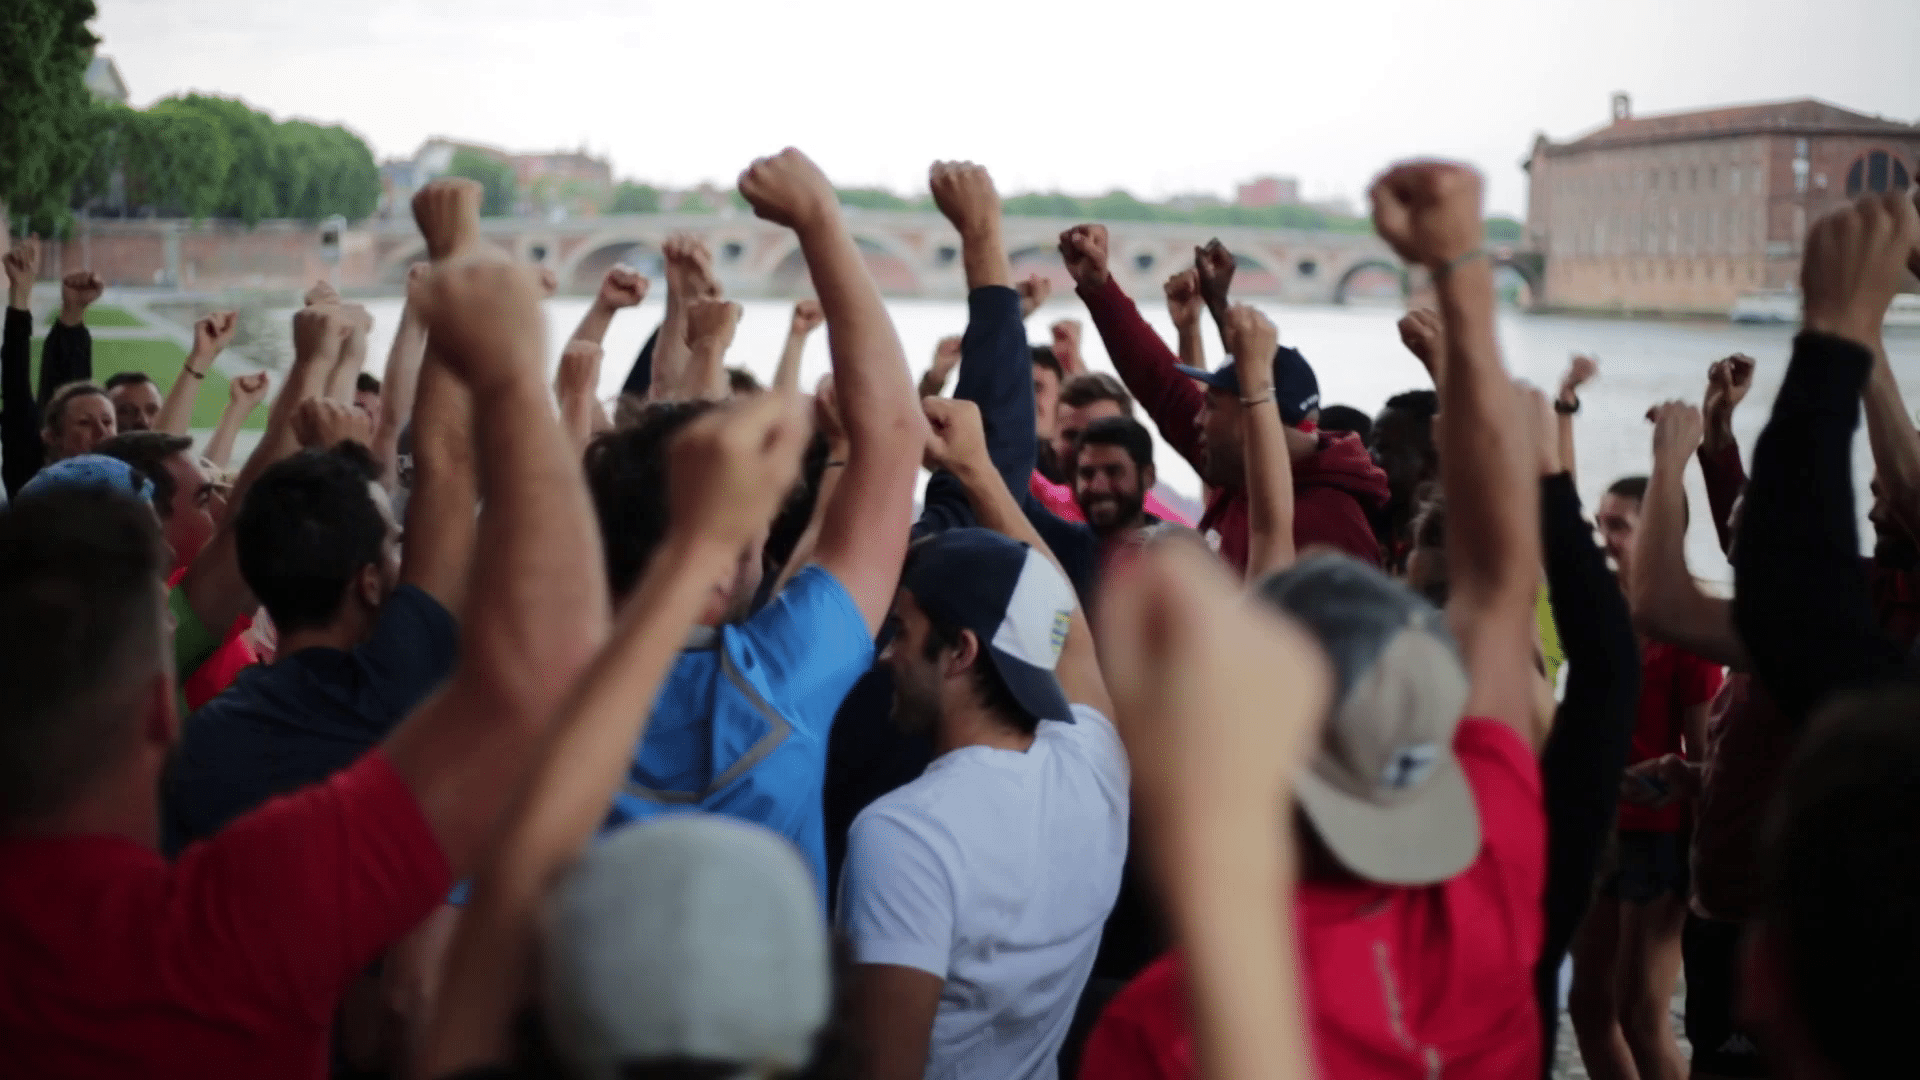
(686, 936)
(90, 472)
(1385, 790)
(1013, 599)
(1294, 386)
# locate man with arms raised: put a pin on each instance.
(974, 896)
(229, 960)
(741, 725)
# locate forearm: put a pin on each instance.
(996, 373)
(1801, 603)
(670, 353)
(1193, 346)
(1269, 493)
(1668, 605)
(984, 256)
(706, 374)
(593, 325)
(870, 375)
(440, 525)
(1147, 367)
(346, 371)
(1563, 434)
(786, 375)
(66, 356)
(397, 391)
(1895, 443)
(219, 448)
(1726, 478)
(176, 412)
(802, 553)
(489, 969)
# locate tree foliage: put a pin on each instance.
(44, 49)
(1505, 229)
(501, 189)
(632, 198)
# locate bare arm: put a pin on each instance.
(210, 335)
(353, 354)
(398, 387)
(244, 392)
(689, 278)
(826, 412)
(1184, 304)
(1668, 604)
(864, 537)
(734, 465)
(807, 318)
(575, 383)
(1426, 339)
(893, 1007)
(946, 357)
(1213, 267)
(540, 612)
(958, 444)
(1269, 467)
(710, 327)
(1430, 213)
(440, 525)
(622, 287)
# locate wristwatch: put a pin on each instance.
(1560, 406)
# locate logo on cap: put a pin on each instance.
(1057, 639)
(1409, 766)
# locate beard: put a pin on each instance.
(916, 708)
(1111, 513)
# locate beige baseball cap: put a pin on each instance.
(1385, 790)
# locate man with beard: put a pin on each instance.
(1113, 471)
(975, 895)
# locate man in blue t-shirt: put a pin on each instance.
(365, 633)
(741, 725)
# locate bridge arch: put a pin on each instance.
(593, 263)
(1397, 271)
(393, 267)
(1252, 276)
(891, 270)
(1530, 266)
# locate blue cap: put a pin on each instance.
(1013, 599)
(1294, 387)
(90, 472)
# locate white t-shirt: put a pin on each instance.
(995, 871)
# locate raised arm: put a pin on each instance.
(1727, 384)
(67, 354)
(19, 409)
(1801, 601)
(1426, 339)
(244, 394)
(946, 357)
(1213, 267)
(1269, 468)
(211, 334)
(863, 540)
(729, 472)
(958, 444)
(400, 384)
(1430, 214)
(1580, 370)
(540, 609)
(1184, 305)
(622, 287)
(1034, 289)
(1668, 604)
(440, 527)
(576, 383)
(1143, 360)
(807, 318)
(689, 278)
(710, 327)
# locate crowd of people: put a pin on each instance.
(477, 727)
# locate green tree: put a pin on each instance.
(44, 106)
(631, 198)
(1505, 229)
(872, 199)
(496, 179)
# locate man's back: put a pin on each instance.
(995, 871)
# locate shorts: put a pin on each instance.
(1646, 866)
(1711, 951)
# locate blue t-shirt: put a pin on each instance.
(294, 722)
(740, 727)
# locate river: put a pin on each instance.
(1356, 353)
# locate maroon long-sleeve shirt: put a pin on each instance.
(1332, 490)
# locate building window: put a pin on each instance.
(1876, 172)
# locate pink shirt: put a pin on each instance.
(1059, 499)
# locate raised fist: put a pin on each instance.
(689, 267)
(1855, 261)
(322, 292)
(246, 391)
(623, 287)
(1084, 249)
(1429, 212)
(322, 423)
(958, 437)
(483, 316)
(807, 317)
(789, 189)
(1252, 339)
(1184, 302)
(579, 372)
(317, 329)
(710, 323)
(448, 213)
(215, 332)
(23, 265)
(731, 469)
(1580, 370)
(1727, 384)
(946, 356)
(1214, 266)
(964, 193)
(1677, 430)
(79, 289)
(1066, 346)
(1033, 293)
(1422, 334)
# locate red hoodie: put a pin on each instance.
(1332, 491)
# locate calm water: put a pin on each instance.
(1357, 356)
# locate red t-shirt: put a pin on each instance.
(1671, 682)
(218, 672)
(1400, 983)
(229, 961)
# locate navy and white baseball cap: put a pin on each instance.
(1295, 388)
(1013, 599)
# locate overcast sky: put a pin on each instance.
(1159, 98)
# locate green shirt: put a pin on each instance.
(193, 643)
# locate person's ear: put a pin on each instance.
(367, 583)
(1148, 478)
(966, 653)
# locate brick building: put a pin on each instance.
(1268, 191)
(1684, 212)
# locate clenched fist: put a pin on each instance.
(689, 268)
(710, 323)
(958, 438)
(1580, 371)
(1424, 337)
(322, 292)
(79, 289)
(448, 213)
(789, 189)
(1252, 339)
(1033, 293)
(807, 317)
(1856, 260)
(1677, 429)
(1429, 212)
(1727, 384)
(215, 332)
(319, 329)
(1213, 267)
(1184, 302)
(732, 468)
(1066, 346)
(483, 316)
(1084, 249)
(623, 287)
(964, 193)
(246, 391)
(322, 423)
(23, 265)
